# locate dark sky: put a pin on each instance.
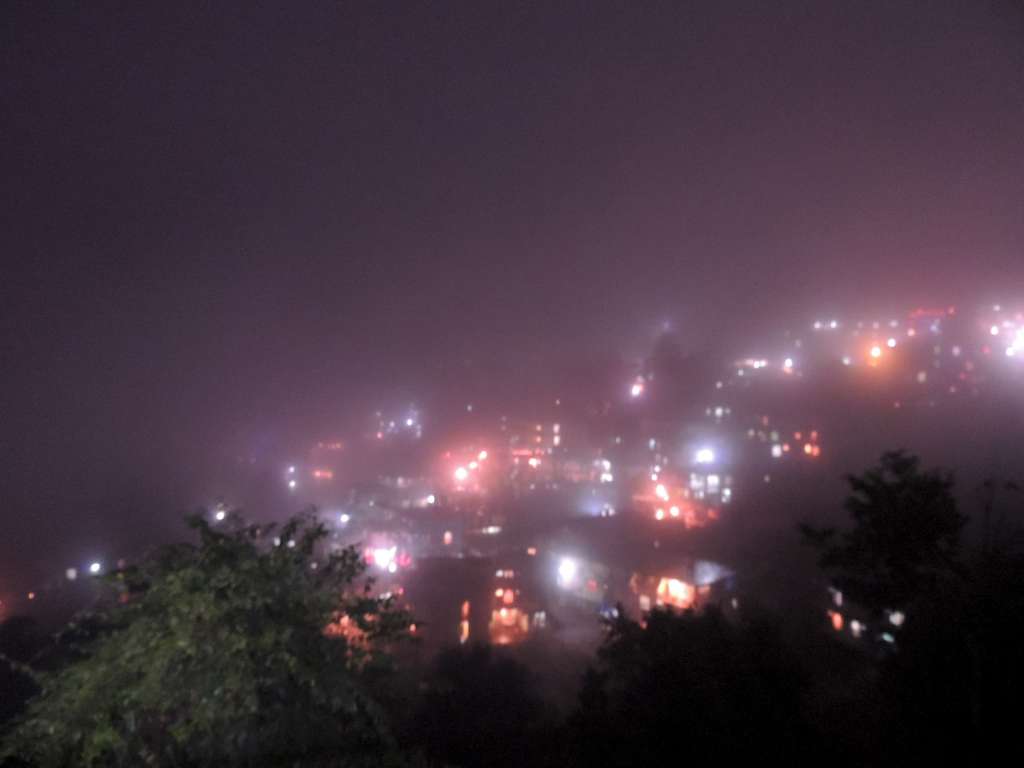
(226, 223)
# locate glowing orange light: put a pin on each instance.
(837, 620)
(808, 448)
(675, 593)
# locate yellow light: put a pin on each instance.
(675, 592)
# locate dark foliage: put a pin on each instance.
(697, 685)
(905, 539)
(480, 709)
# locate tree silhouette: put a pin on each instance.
(696, 684)
(905, 541)
(216, 654)
(480, 708)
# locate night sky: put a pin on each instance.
(230, 225)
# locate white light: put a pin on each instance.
(392, 567)
(705, 456)
(847, 360)
(534, 462)
(461, 473)
(896, 618)
(788, 363)
(661, 492)
(409, 422)
(636, 390)
(891, 343)
(473, 465)
(345, 518)
(292, 484)
(291, 470)
(834, 324)
(482, 456)
(607, 477)
(95, 567)
(221, 514)
(776, 451)
(71, 574)
(876, 351)
(384, 557)
(1011, 351)
(994, 330)
(431, 499)
(567, 568)
(674, 511)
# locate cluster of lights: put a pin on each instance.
(462, 472)
(410, 424)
